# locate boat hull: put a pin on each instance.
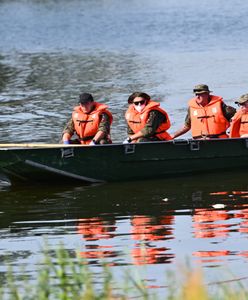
(118, 162)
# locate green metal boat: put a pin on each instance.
(121, 162)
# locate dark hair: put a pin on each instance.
(138, 94)
(85, 97)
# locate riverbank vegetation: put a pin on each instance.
(62, 275)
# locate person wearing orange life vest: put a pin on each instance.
(239, 123)
(208, 116)
(90, 121)
(146, 120)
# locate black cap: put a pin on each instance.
(85, 97)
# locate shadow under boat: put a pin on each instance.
(146, 197)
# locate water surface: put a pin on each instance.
(50, 51)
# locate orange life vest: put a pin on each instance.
(208, 121)
(137, 120)
(86, 125)
(239, 124)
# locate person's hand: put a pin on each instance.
(127, 141)
(92, 143)
(66, 142)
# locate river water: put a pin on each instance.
(52, 50)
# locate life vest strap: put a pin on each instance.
(84, 121)
(205, 117)
(135, 122)
(212, 136)
(86, 138)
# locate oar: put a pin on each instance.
(37, 145)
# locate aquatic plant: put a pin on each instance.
(65, 275)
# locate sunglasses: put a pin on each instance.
(139, 102)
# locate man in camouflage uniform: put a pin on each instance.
(210, 115)
(90, 121)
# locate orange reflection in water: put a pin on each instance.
(243, 225)
(210, 223)
(213, 256)
(207, 223)
(146, 229)
(95, 229)
(244, 253)
(98, 252)
(243, 214)
(229, 193)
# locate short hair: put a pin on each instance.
(85, 98)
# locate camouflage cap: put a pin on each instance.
(201, 88)
(242, 99)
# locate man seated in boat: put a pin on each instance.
(91, 122)
(207, 117)
(239, 123)
(146, 120)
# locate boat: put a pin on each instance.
(121, 162)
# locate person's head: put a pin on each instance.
(243, 102)
(202, 92)
(139, 100)
(86, 101)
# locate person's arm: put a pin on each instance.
(68, 132)
(129, 131)
(181, 131)
(228, 111)
(103, 129)
(186, 127)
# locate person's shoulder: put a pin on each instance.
(155, 112)
(105, 116)
(228, 111)
(227, 107)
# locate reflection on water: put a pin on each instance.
(96, 229)
(141, 223)
(145, 230)
(211, 224)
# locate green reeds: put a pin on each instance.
(64, 275)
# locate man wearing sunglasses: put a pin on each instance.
(239, 123)
(90, 121)
(146, 120)
(208, 116)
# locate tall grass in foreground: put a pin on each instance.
(62, 276)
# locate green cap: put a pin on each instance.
(242, 99)
(201, 88)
